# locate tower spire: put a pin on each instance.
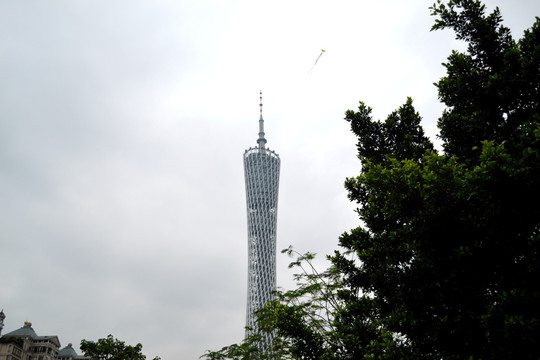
(261, 140)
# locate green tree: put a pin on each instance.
(301, 319)
(491, 91)
(449, 252)
(110, 348)
(447, 260)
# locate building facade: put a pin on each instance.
(25, 344)
(261, 171)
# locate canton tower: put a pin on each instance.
(261, 171)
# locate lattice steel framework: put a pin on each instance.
(261, 170)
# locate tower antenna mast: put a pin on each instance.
(261, 141)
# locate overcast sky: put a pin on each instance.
(122, 129)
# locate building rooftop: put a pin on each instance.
(26, 330)
(68, 351)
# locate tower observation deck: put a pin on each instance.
(261, 171)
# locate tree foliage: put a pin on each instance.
(447, 260)
(110, 348)
(12, 340)
(491, 91)
(300, 319)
